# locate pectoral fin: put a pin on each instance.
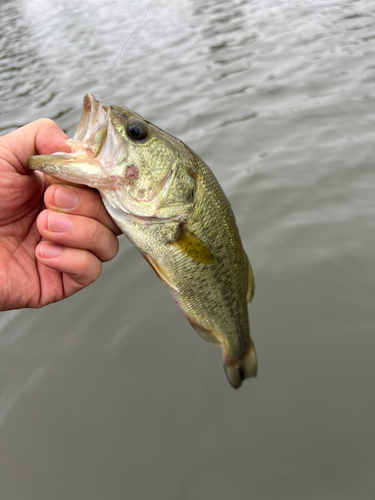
(192, 246)
(250, 281)
(159, 271)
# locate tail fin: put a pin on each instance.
(243, 368)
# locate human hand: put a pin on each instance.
(52, 249)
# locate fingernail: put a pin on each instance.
(49, 251)
(59, 222)
(65, 198)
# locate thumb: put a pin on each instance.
(42, 136)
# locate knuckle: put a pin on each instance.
(100, 212)
(96, 269)
(104, 242)
(96, 235)
(91, 205)
(89, 270)
(112, 248)
(45, 122)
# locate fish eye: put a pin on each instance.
(137, 130)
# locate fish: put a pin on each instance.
(169, 204)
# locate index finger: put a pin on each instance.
(42, 136)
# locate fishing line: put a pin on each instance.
(125, 44)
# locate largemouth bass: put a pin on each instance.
(167, 201)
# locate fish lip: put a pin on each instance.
(90, 108)
(91, 132)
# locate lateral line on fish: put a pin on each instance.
(125, 44)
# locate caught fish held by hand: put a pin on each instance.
(169, 204)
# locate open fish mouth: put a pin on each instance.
(92, 150)
(99, 159)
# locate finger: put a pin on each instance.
(81, 266)
(78, 201)
(78, 232)
(39, 137)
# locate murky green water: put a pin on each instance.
(111, 394)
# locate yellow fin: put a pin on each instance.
(159, 271)
(250, 282)
(193, 247)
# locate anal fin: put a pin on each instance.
(207, 335)
(159, 271)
